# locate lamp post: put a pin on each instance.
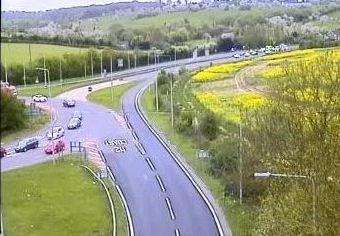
(266, 175)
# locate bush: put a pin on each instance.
(209, 125)
(12, 113)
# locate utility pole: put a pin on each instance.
(23, 65)
(148, 58)
(154, 54)
(101, 62)
(135, 60)
(45, 71)
(85, 69)
(175, 55)
(92, 64)
(157, 92)
(29, 50)
(6, 75)
(111, 81)
(240, 160)
(60, 73)
(171, 100)
(128, 60)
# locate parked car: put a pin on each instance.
(54, 147)
(69, 103)
(253, 52)
(27, 144)
(3, 152)
(78, 114)
(247, 54)
(74, 123)
(89, 89)
(55, 133)
(236, 55)
(39, 98)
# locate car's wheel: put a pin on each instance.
(25, 149)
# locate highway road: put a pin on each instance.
(164, 198)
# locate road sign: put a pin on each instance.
(206, 52)
(120, 62)
(194, 54)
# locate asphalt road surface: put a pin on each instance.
(160, 196)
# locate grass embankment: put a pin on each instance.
(54, 199)
(103, 96)
(32, 126)
(18, 53)
(236, 215)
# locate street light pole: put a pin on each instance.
(268, 174)
(60, 73)
(45, 71)
(111, 81)
(240, 163)
(23, 65)
(171, 101)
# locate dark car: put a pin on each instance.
(77, 114)
(27, 144)
(74, 123)
(69, 103)
(3, 152)
(89, 89)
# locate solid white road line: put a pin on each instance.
(171, 211)
(160, 182)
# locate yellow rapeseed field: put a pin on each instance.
(230, 106)
(219, 72)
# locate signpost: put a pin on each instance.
(120, 63)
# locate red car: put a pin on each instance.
(3, 152)
(55, 147)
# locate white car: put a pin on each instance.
(236, 55)
(55, 133)
(247, 54)
(39, 98)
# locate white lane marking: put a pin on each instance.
(134, 135)
(140, 148)
(177, 233)
(151, 165)
(160, 182)
(128, 125)
(171, 211)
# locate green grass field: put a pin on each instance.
(18, 53)
(53, 199)
(195, 18)
(103, 96)
(237, 216)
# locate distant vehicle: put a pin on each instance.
(27, 144)
(54, 147)
(268, 52)
(55, 133)
(247, 54)
(77, 114)
(3, 152)
(69, 103)
(89, 89)
(236, 55)
(74, 123)
(253, 52)
(39, 98)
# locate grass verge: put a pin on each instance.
(33, 125)
(53, 199)
(238, 216)
(103, 96)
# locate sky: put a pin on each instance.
(38, 5)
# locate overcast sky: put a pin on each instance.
(37, 5)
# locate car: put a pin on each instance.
(27, 144)
(3, 152)
(77, 114)
(74, 123)
(247, 54)
(89, 89)
(54, 147)
(253, 52)
(55, 133)
(236, 55)
(69, 103)
(39, 98)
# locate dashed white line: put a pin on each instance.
(177, 233)
(171, 211)
(151, 165)
(140, 148)
(134, 135)
(160, 182)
